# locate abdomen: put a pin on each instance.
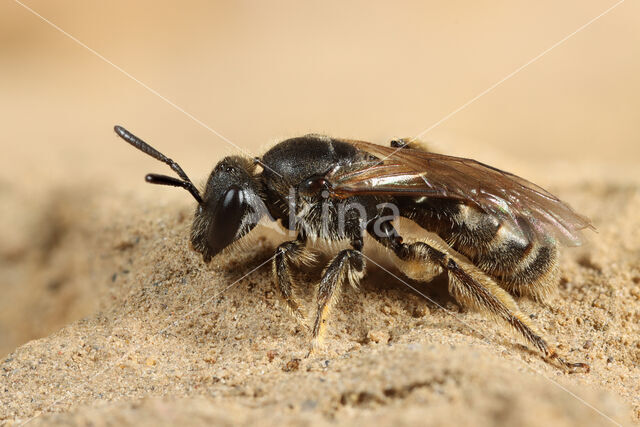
(521, 265)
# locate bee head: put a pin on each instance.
(230, 207)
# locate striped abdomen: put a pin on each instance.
(520, 265)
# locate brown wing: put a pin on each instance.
(408, 172)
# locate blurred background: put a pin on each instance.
(255, 72)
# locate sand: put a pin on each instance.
(169, 339)
(108, 318)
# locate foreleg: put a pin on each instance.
(288, 254)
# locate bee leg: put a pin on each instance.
(471, 287)
(347, 266)
(408, 143)
(288, 253)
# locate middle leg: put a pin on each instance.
(347, 266)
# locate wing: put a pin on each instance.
(416, 173)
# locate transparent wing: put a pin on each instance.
(408, 172)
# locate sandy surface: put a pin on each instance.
(170, 339)
(107, 317)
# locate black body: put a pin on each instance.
(292, 167)
(340, 190)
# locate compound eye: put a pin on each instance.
(226, 221)
(232, 200)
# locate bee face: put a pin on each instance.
(230, 201)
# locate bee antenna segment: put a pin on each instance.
(160, 179)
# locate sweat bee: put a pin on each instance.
(502, 231)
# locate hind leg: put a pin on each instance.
(414, 144)
(471, 287)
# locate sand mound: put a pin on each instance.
(168, 340)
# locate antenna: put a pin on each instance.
(155, 178)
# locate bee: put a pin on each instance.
(502, 232)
